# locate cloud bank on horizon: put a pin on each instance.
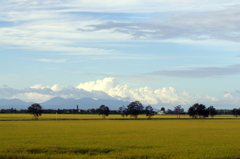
(153, 49)
(109, 88)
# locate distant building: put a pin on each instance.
(161, 112)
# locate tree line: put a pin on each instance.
(133, 110)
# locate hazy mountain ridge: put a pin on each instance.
(61, 103)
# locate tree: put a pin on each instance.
(178, 110)
(236, 112)
(169, 111)
(134, 109)
(211, 111)
(162, 109)
(149, 111)
(103, 110)
(36, 110)
(197, 111)
(123, 111)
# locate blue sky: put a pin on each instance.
(163, 53)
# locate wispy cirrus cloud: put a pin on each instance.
(124, 6)
(53, 60)
(53, 24)
(203, 72)
(217, 25)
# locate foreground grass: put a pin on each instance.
(123, 139)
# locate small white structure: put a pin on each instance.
(161, 112)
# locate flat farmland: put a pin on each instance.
(123, 139)
(93, 116)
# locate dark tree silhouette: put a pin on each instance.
(162, 109)
(211, 111)
(36, 110)
(178, 110)
(103, 110)
(197, 111)
(236, 112)
(135, 108)
(123, 111)
(149, 111)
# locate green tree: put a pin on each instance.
(103, 110)
(149, 111)
(211, 111)
(135, 108)
(36, 110)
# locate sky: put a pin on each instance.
(161, 52)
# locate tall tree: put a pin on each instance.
(135, 108)
(149, 111)
(36, 110)
(103, 110)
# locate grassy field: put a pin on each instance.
(90, 116)
(120, 139)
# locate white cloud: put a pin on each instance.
(123, 6)
(39, 86)
(146, 95)
(53, 60)
(99, 85)
(108, 88)
(46, 26)
(32, 97)
(232, 97)
(217, 25)
(54, 88)
(57, 87)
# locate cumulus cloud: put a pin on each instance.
(146, 95)
(99, 85)
(107, 88)
(201, 72)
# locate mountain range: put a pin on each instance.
(61, 103)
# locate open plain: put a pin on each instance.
(126, 139)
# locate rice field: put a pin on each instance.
(93, 116)
(120, 139)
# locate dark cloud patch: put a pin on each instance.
(200, 72)
(220, 25)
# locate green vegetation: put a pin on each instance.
(97, 117)
(149, 111)
(36, 110)
(200, 110)
(134, 109)
(103, 110)
(120, 139)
